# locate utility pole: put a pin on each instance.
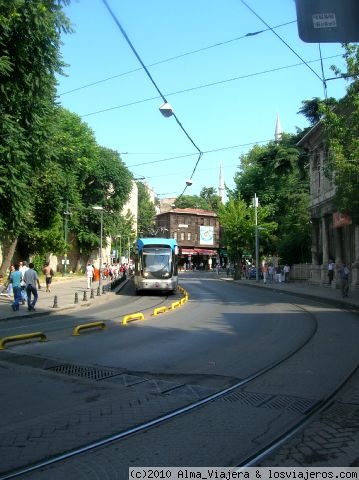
(67, 214)
(255, 205)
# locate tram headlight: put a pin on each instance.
(145, 274)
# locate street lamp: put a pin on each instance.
(97, 207)
(66, 214)
(255, 205)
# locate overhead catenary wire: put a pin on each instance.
(176, 57)
(152, 80)
(206, 85)
(281, 39)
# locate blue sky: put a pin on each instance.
(225, 88)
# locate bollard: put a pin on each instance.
(103, 290)
(76, 297)
(55, 305)
(85, 296)
(92, 293)
(98, 291)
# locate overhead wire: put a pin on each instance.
(281, 39)
(206, 85)
(152, 80)
(176, 57)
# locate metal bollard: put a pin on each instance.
(103, 290)
(98, 291)
(76, 297)
(55, 305)
(92, 293)
(85, 296)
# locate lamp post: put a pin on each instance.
(255, 205)
(101, 230)
(67, 214)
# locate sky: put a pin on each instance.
(225, 73)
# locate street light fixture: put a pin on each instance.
(67, 213)
(99, 208)
(255, 205)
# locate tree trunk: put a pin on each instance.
(8, 247)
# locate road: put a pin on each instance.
(224, 334)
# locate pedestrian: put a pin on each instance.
(265, 272)
(23, 268)
(9, 289)
(31, 279)
(270, 273)
(344, 273)
(218, 267)
(278, 274)
(286, 270)
(331, 268)
(15, 279)
(89, 274)
(49, 273)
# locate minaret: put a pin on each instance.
(221, 184)
(278, 130)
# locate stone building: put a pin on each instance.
(196, 232)
(334, 236)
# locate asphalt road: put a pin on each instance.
(224, 333)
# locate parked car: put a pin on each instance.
(252, 273)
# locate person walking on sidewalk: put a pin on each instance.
(49, 273)
(89, 274)
(331, 268)
(31, 279)
(23, 267)
(344, 279)
(15, 279)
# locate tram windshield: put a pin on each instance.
(157, 262)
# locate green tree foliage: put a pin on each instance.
(342, 134)
(29, 59)
(276, 172)
(237, 219)
(146, 212)
(313, 109)
(206, 200)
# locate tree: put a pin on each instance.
(341, 127)
(276, 172)
(237, 219)
(206, 200)
(146, 212)
(29, 59)
(313, 109)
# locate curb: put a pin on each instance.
(318, 298)
(71, 307)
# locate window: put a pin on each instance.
(182, 235)
(175, 235)
(189, 236)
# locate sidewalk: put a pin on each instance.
(326, 293)
(62, 297)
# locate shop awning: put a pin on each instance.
(205, 251)
(198, 251)
(188, 251)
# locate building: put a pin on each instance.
(196, 232)
(334, 236)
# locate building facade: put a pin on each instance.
(334, 236)
(196, 232)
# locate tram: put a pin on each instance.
(156, 264)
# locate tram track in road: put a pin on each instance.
(237, 393)
(230, 402)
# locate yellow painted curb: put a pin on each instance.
(158, 310)
(84, 326)
(24, 336)
(133, 316)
